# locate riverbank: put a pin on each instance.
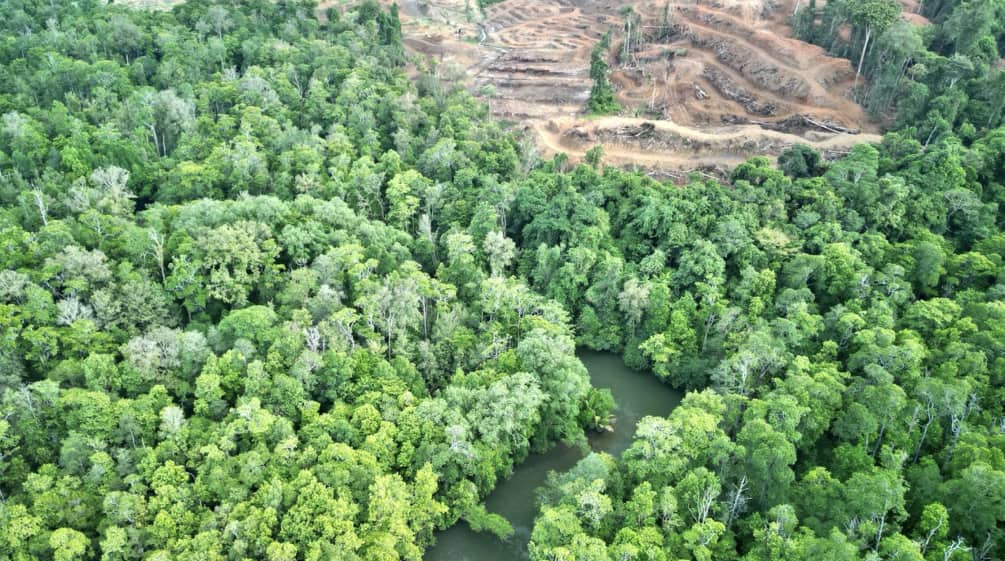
(638, 394)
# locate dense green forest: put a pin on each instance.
(264, 298)
(840, 324)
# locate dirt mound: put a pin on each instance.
(656, 137)
(736, 92)
(763, 72)
(794, 124)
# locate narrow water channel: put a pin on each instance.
(637, 394)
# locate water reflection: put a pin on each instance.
(637, 394)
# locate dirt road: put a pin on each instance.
(663, 143)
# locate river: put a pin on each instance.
(637, 395)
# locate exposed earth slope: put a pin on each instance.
(716, 81)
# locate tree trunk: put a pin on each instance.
(861, 59)
(930, 135)
(921, 440)
(928, 538)
(390, 328)
(425, 319)
(879, 439)
(157, 144)
(879, 529)
(994, 114)
(736, 501)
(43, 211)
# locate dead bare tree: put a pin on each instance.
(982, 553)
(956, 420)
(39, 198)
(634, 37)
(703, 504)
(953, 547)
(930, 411)
(737, 501)
(157, 249)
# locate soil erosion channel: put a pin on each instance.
(637, 395)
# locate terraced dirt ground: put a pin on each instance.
(723, 81)
(714, 81)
